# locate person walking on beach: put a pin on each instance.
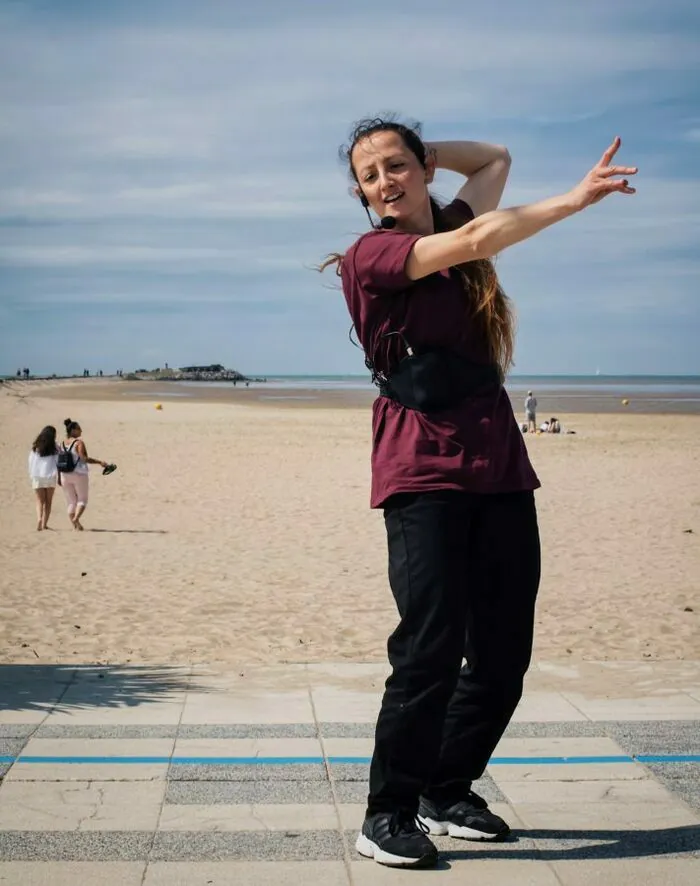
(43, 474)
(531, 412)
(450, 471)
(75, 481)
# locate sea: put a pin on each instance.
(555, 393)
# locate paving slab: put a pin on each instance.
(656, 736)
(347, 730)
(248, 730)
(241, 873)
(85, 748)
(243, 772)
(290, 845)
(643, 792)
(605, 815)
(678, 706)
(67, 873)
(75, 846)
(350, 706)
(681, 778)
(206, 793)
(618, 842)
(558, 746)
(253, 817)
(10, 717)
(628, 872)
(253, 678)
(484, 872)
(248, 707)
(11, 746)
(545, 707)
(80, 806)
(24, 772)
(116, 730)
(348, 747)
(247, 747)
(17, 730)
(559, 772)
(93, 713)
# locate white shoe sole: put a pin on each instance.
(448, 829)
(370, 850)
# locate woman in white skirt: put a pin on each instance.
(43, 474)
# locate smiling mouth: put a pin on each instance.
(393, 198)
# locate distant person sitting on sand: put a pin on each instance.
(553, 426)
(75, 481)
(531, 412)
(43, 474)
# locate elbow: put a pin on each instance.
(504, 155)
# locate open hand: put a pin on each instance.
(602, 180)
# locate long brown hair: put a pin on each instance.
(489, 306)
(45, 443)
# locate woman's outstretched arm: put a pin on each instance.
(496, 230)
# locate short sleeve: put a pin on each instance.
(377, 261)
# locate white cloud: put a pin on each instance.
(180, 139)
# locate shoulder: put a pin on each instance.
(376, 261)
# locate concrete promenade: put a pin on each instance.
(142, 776)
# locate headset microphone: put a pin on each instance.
(387, 223)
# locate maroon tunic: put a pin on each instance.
(476, 446)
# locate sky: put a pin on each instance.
(169, 174)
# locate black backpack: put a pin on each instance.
(64, 461)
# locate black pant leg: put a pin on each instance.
(502, 589)
(427, 549)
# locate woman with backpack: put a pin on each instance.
(43, 474)
(73, 461)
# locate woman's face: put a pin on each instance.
(77, 431)
(390, 175)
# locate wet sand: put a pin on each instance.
(552, 401)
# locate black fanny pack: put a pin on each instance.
(436, 380)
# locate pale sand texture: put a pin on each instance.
(235, 533)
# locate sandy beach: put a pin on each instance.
(239, 531)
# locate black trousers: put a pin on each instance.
(464, 570)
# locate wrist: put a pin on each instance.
(573, 201)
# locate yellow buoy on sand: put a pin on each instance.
(159, 405)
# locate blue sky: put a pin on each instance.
(169, 173)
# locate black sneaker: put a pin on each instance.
(469, 819)
(395, 839)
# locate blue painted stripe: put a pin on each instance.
(668, 758)
(363, 761)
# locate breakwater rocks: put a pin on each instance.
(214, 372)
